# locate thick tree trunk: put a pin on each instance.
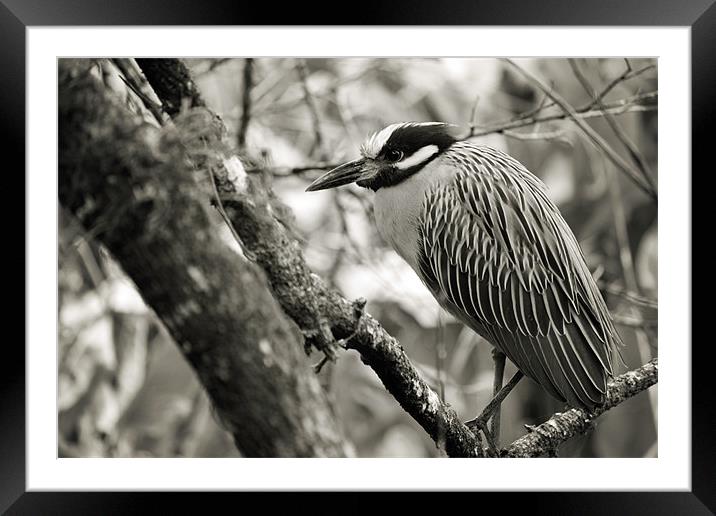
(131, 186)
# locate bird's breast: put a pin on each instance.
(399, 209)
(397, 215)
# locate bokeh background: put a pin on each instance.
(126, 391)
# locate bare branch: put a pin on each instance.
(563, 426)
(318, 139)
(134, 79)
(172, 85)
(631, 148)
(301, 169)
(557, 135)
(247, 84)
(215, 63)
(629, 295)
(627, 105)
(280, 106)
(598, 141)
(634, 321)
(629, 73)
(631, 104)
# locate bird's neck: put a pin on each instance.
(399, 209)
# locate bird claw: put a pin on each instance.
(479, 424)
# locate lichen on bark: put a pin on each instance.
(133, 188)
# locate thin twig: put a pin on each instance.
(132, 77)
(617, 108)
(631, 148)
(630, 104)
(629, 73)
(557, 135)
(473, 113)
(630, 296)
(596, 139)
(289, 171)
(276, 106)
(247, 84)
(318, 139)
(633, 321)
(628, 272)
(215, 63)
(220, 208)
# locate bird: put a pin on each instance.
(480, 231)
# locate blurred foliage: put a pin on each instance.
(125, 390)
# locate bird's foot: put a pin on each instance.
(481, 420)
(479, 424)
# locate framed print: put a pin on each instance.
(416, 255)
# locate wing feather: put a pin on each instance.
(497, 253)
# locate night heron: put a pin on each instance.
(484, 237)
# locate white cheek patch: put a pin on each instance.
(420, 155)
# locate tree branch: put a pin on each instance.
(318, 139)
(306, 298)
(132, 185)
(173, 86)
(138, 84)
(563, 426)
(620, 107)
(596, 139)
(621, 135)
(247, 85)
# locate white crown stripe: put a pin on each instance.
(373, 145)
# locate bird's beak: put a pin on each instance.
(347, 173)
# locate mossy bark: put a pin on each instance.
(562, 426)
(131, 186)
(172, 84)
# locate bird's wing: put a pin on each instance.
(495, 246)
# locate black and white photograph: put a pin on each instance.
(358, 257)
(410, 247)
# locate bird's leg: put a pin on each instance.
(499, 397)
(480, 422)
(499, 358)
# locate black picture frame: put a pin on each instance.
(17, 15)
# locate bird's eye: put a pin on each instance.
(393, 155)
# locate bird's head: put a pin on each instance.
(390, 156)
